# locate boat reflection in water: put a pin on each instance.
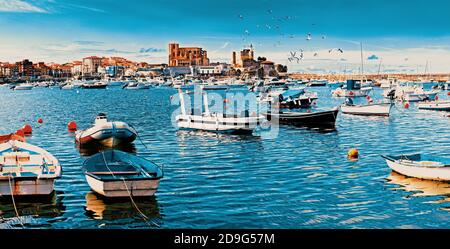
(30, 208)
(89, 150)
(421, 188)
(101, 208)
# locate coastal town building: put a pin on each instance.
(187, 56)
(25, 68)
(90, 65)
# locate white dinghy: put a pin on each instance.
(26, 169)
(420, 166)
(371, 109)
(107, 133)
(215, 122)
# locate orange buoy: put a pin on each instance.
(406, 105)
(226, 101)
(27, 129)
(448, 93)
(436, 98)
(20, 133)
(40, 121)
(353, 153)
(350, 93)
(72, 126)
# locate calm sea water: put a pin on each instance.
(302, 179)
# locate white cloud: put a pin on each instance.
(19, 6)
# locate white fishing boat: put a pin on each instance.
(23, 86)
(420, 95)
(215, 122)
(107, 133)
(136, 86)
(377, 109)
(26, 169)
(420, 166)
(437, 105)
(353, 89)
(114, 173)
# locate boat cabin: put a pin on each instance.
(353, 84)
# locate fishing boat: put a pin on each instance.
(136, 86)
(353, 89)
(107, 133)
(215, 122)
(114, 173)
(95, 85)
(420, 95)
(420, 166)
(292, 99)
(320, 119)
(437, 105)
(26, 169)
(316, 83)
(371, 109)
(23, 86)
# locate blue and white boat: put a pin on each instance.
(420, 166)
(115, 173)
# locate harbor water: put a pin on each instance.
(300, 179)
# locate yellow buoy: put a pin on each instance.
(353, 153)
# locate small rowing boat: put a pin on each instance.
(107, 133)
(438, 105)
(114, 173)
(321, 119)
(376, 109)
(26, 169)
(420, 166)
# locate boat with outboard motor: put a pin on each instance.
(114, 173)
(26, 169)
(107, 133)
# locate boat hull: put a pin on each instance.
(26, 187)
(110, 134)
(428, 173)
(123, 188)
(326, 119)
(435, 106)
(367, 110)
(218, 124)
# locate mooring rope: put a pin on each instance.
(139, 137)
(13, 201)
(145, 218)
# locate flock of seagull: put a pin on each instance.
(294, 56)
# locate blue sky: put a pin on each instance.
(400, 34)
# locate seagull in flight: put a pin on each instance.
(308, 37)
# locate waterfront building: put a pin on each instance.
(90, 65)
(77, 68)
(25, 68)
(187, 56)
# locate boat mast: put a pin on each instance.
(362, 63)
